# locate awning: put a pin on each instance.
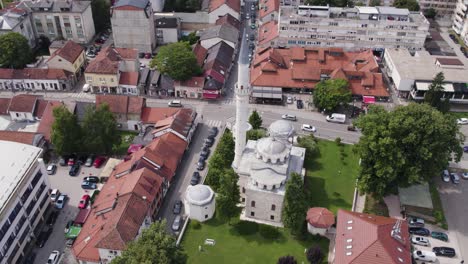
(81, 217)
(210, 96)
(368, 99)
(424, 86)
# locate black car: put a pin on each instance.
(252, 37)
(43, 237)
(251, 46)
(208, 142)
(52, 218)
(421, 231)
(299, 104)
(213, 131)
(201, 164)
(177, 207)
(195, 178)
(444, 251)
(205, 153)
(74, 169)
(141, 55)
(93, 179)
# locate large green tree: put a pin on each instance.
(101, 14)
(176, 60)
(331, 93)
(411, 5)
(226, 148)
(216, 170)
(434, 95)
(221, 160)
(430, 13)
(14, 51)
(154, 245)
(66, 132)
(182, 5)
(228, 195)
(374, 3)
(256, 134)
(310, 144)
(315, 255)
(255, 120)
(408, 145)
(294, 210)
(100, 130)
(287, 260)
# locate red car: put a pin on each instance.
(84, 201)
(99, 161)
(148, 56)
(71, 162)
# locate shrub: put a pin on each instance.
(338, 141)
(268, 232)
(196, 224)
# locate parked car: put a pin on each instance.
(205, 153)
(30, 258)
(94, 179)
(455, 178)
(201, 164)
(299, 104)
(424, 255)
(60, 203)
(177, 207)
(289, 117)
(68, 225)
(462, 121)
(53, 257)
(213, 131)
(415, 222)
(422, 241)
(439, 235)
(308, 128)
(99, 161)
(50, 221)
(446, 176)
(51, 169)
(252, 37)
(252, 7)
(352, 128)
(195, 178)
(208, 142)
(54, 195)
(63, 161)
(141, 55)
(74, 169)
(148, 56)
(69, 242)
(99, 41)
(444, 251)
(289, 100)
(43, 237)
(465, 149)
(251, 46)
(89, 161)
(71, 161)
(88, 185)
(174, 103)
(464, 175)
(176, 223)
(84, 201)
(421, 231)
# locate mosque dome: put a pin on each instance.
(199, 194)
(281, 129)
(271, 150)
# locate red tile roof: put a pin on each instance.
(320, 217)
(107, 61)
(234, 4)
(17, 136)
(267, 7)
(129, 78)
(136, 104)
(70, 51)
(181, 122)
(40, 107)
(200, 53)
(127, 53)
(228, 19)
(303, 67)
(151, 115)
(370, 239)
(23, 103)
(122, 104)
(267, 32)
(45, 126)
(34, 74)
(4, 105)
(197, 81)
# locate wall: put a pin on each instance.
(94, 79)
(208, 43)
(201, 213)
(190, 92)
(168, 35)
(108, 254)
(58, 62)
(21, 116)
(36, 85)
(316, 231)
(263, 205)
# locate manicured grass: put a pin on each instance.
(242, 244)
(330, 180)
(126, 141)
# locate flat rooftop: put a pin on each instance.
(16, 158)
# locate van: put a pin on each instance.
(336, 118)
(86, 88)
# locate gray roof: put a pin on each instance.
(9, 20)
(58, 5)
(166, 22)
(136, 3)
(199, 194)
(416, 195)
(390, 10)
(225, 32)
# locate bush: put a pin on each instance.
(269, 232)
(338, 141)
(196, 224)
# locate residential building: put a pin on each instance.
(460, 20)
(58, 19)
(364, 238)
(444, 9)
(36, 79)
(218, 8)
(182, 124)
(355, 28)
(298, 70)
(47, 119)
(213, 35)
(70, 57)
(167, 30)
(28, 138)
(228, 19)
(22, 107)
(411, 75)
(133, 25)
(268, 11)
(216, 69)
(17, 20)
(24, 200)
(192, 88)
(126, 109)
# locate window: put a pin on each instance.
(26, 194)
(272, 217)
(36, 178)
(206, 216)
(17, 115)
(243, 200)
(273, 207)
(14, 213)
(39, 28)
(243, 190)
(252, 213)
(50, 25)
(252, 203)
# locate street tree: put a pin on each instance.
(287, 260)
(310, 144)
(154, 245)
(101, 14)
(255, 120)
(14, 51)
(192, 38)
(406, 146)
(228, 195)
(331, 93)
(434, 95)
(430, 13)
(315, 255)
(411, 5)
(374, 3)
(214, 173)
(100, 130)
(294, 210)
(225, 148)
(176, 60)
(66, 132)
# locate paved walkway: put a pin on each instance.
(393, 205)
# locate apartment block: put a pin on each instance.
(349, 28)
(460, 20)
(17, 20)
(444, 8)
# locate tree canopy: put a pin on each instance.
(315, 255)
(182, 5)
(256, 134)
(100, 130)
(430, 13)
(221, 160)
(66, 132)
(411, 5)
(176, 60)
(191, 38)
(374, 3)
(228, 195)
(294, 210)
(101, 14)
(255, 120)
(331, 93)
(14, 51)
(406, 146)
(287, 260)
(153, 246)
(434, 95)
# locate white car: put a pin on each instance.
(462, 121)
(424, 255)
(53, 257)
(308, 128)
(446, 176)
(176, 223)
(174, 103)
(289, 100)
(51, 169)
(464, 175)
(422, 241)
(60, 203)
(289, 117)
(54, 195)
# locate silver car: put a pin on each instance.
(422, 241)
(176, 223)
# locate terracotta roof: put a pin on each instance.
(127, 53)
(449, 61)
(303, 68)
(151, 115)
(267, 7)
(197, 81)
(370, 239)
(18, 136)
(34, 74)
(228, 19)
(320, 217)
(234, 4)
(107, 61)
(200, 53)
(129, 78)
(267, 32)
(4, 105)
(70, 51)
(40, 107)
(121, 104)
(23, 103)
(47, 120)
(136, 104)
(181, 122)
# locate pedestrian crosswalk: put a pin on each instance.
(228, 102)
(82, 95)
(213, 123)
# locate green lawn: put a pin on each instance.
(330, 181)
(238, 247)
(126, 141)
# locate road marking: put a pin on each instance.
(214, 123)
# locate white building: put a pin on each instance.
(350, 28)
(460, 20)
(167, 30)
(35, 79)
(412, 75)
(19, 21)
(200, 202)
(23, 198)
(319, 220)
(57, 19)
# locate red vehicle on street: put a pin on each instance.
(84, 201)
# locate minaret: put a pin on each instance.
(242, 92)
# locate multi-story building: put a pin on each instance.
(444, 8)
(133, 25)
(167, 30)
(460, 20)
(23, 200)
(17, 20)
(350, 28)
(55, 19)
(70, 57)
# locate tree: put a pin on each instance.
(310, 144)
(435, 93)
(374, 3)
(14, 51)
(294, 210)
(101, 14)
(411, 5)
(66, 132)
(430, 13)
(176, 60)
(228, 195)
(216, 170)
(315, 255)
(182, 5)
(255, 120)
(192, 38)
(225, 149)
(256, 134)
(100, 130)
(359, 3)
(406, 146)
(153, 246)
(287, 260)
(329, 94)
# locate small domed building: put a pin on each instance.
(319, 220)
(200, 202)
